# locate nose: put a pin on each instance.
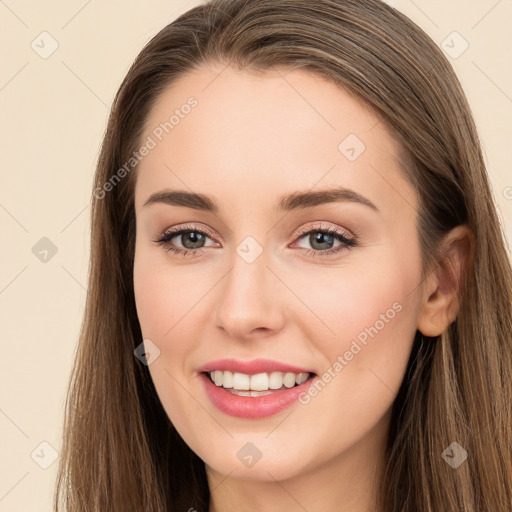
(249, 300)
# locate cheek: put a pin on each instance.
(368, 323)
(355, 301)
(153, 297)
(170, 301)
(163, 300)
(371, 320)
(163, 294)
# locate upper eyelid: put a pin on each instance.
(342, 231)
(175, 231)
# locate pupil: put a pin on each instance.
(196, 239)
(314, 238)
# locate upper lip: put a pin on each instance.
(251, 367)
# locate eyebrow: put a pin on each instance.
(295, 201)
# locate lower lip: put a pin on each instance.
(252, 407)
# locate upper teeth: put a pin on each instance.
(257, 382)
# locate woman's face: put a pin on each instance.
(267, 280)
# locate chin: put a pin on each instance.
(266, 469)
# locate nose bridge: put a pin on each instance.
(247, 280)
(247, 298)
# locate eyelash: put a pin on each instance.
(346, 243)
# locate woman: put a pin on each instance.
(299, 293)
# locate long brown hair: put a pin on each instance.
(120, 451)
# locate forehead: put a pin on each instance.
(259, 134)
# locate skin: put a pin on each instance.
(253, 137)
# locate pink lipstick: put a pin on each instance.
(274, 386)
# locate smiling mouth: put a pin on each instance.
(259, 384)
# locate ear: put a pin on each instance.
(440, 300)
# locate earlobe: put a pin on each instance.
(438, 313)
(440, 302)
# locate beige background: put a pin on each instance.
(53, 114)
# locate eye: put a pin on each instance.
(193, 239)
(323, 239)
(190, 237)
